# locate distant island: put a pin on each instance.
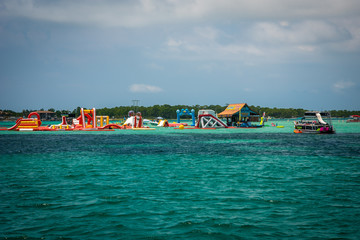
(169, 112)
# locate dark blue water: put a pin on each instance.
(179, 185)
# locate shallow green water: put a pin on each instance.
(264, 183)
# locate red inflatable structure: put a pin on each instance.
(87, 121)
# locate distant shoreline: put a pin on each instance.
(170, 112)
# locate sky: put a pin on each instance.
(272, 53)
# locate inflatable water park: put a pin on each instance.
(87, 121)
(234, 116)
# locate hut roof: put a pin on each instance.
(231, 110)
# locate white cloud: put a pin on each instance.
(222, 30)
(284, 23)
(343, 85)
(306, 48)
(208, 33)
(143, 88)
(247, 89)
(303, 32)
(149, 12)
(174, 43)
(206, 44)
(155, 66)
(241, 49)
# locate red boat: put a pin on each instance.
(353, 118)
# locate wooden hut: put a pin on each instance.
(239, 113)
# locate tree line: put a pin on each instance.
(169, 111)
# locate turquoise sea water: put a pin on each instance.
(264, 183)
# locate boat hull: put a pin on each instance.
(352, 120)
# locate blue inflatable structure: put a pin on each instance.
(186, 112)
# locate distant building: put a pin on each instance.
(239, 112)
(46, 115)
(6, 115)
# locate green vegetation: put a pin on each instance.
(169, 112)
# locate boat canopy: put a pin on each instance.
(314, 114)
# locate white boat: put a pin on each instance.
(313, 122)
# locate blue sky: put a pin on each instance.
(270, 53)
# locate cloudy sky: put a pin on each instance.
(270, 53)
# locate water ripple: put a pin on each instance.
(179, 186)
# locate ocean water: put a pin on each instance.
(264, 183)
